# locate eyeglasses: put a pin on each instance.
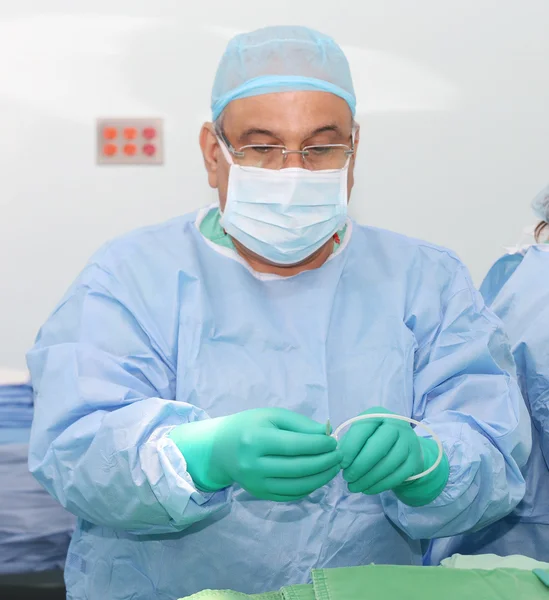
(270, 156)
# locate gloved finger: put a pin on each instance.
(288, 420)
(375, 449)
(388, 465)
(407, 469)
(274, 442)
(300, 486)
(353, 441)
(299, 466)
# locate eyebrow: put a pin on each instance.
(256, 131)
(331, 128)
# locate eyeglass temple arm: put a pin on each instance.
(228, 145)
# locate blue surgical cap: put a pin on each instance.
(281, 59)
(540, 204)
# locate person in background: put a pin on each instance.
(517, 289)
(184, 382)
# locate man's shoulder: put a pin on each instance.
(147, 243)
(405, 249)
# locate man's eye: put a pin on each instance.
(321, 150)
(262, 149)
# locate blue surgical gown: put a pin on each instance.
(518, 285)
(164, 327)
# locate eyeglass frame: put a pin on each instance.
(285, 152)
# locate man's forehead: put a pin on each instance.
(305, 112)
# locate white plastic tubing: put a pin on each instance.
(435, 437)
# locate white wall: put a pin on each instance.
(453, 101)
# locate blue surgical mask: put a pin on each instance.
(284, 216)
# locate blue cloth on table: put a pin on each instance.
(35, 530)
(16, 412)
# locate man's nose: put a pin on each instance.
(293, 160)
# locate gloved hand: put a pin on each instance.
(380, 454)
(273, 453)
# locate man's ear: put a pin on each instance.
(357, 140)
(210, 152)
(351, 173)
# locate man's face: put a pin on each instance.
(291, 119)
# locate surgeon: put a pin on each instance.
(517, 288)
(184, 382)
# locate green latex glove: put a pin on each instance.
(379, 455)
(273, 453)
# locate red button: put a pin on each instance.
(149, 133)
(130, 149)
(130, 133)
(110, 133)
(110, 149)
(149, 149)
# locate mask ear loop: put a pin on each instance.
(228, 157)
(435, 437)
